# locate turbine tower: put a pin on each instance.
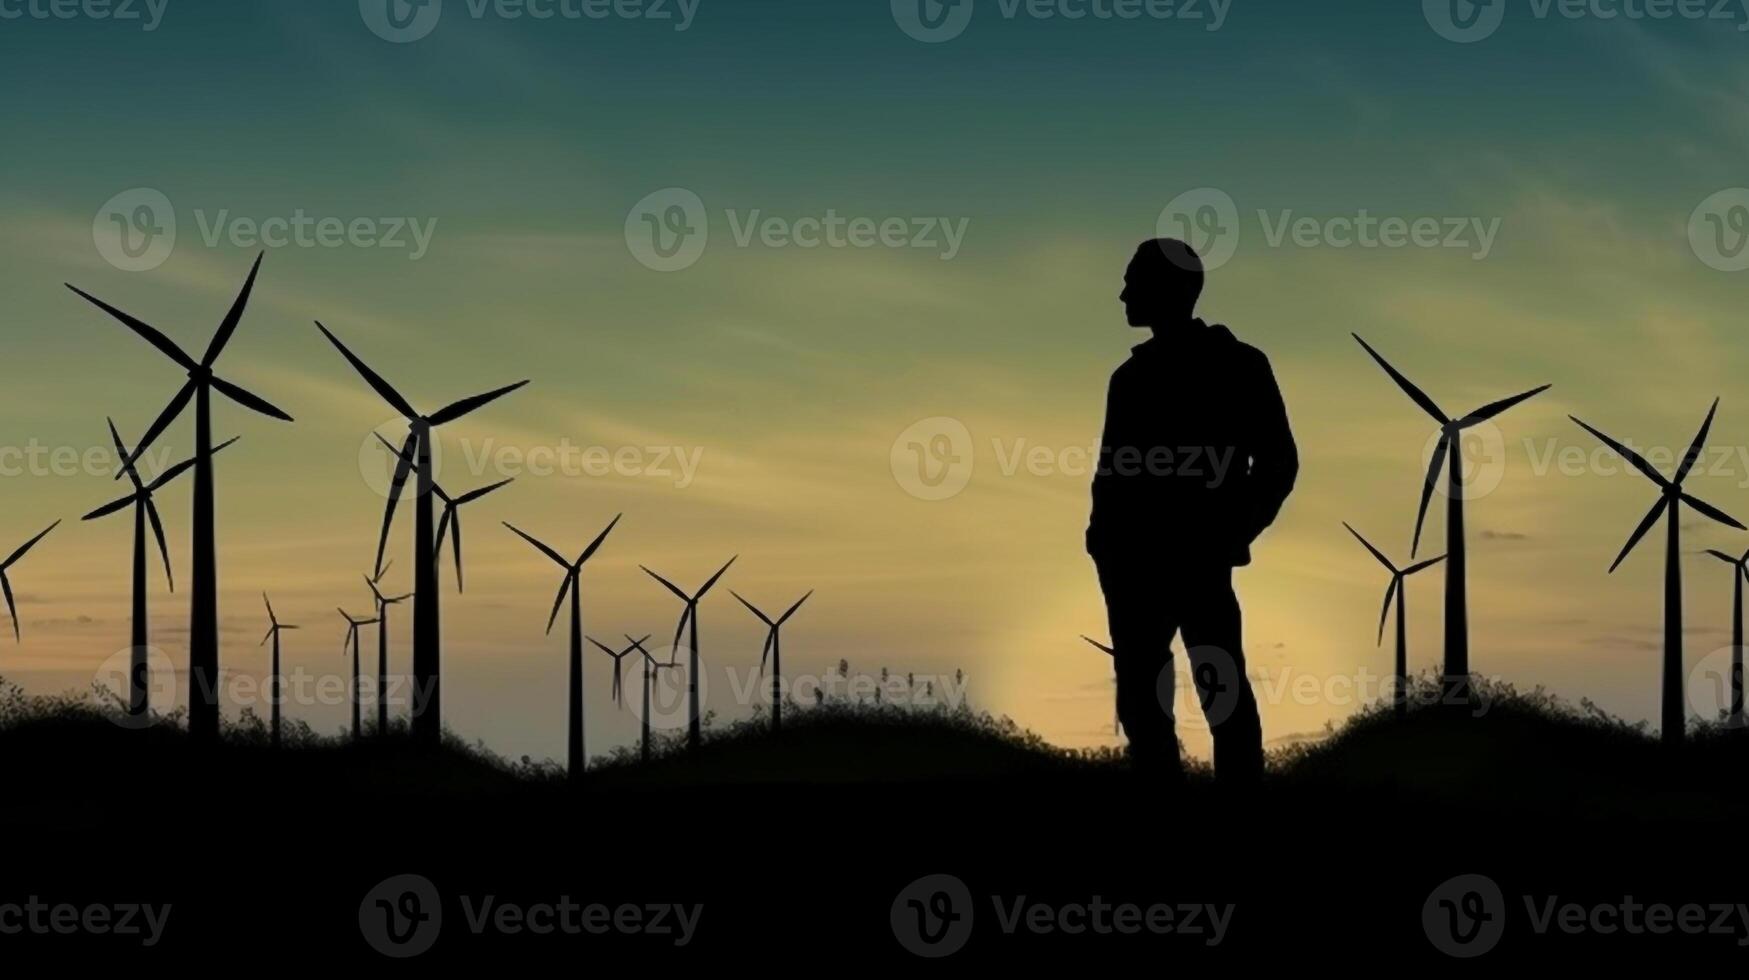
(1398, 590)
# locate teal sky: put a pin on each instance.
(793, 371)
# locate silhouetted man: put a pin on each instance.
(1196, 461)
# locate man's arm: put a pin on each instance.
(1275, 460)
(1104, 488)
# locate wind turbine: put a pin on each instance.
(1398, 590)
(1116, 720)
(6, 583)
(1740, 571)
(452, 518)
(383, 603)
(1457, 623)
(144, 510)
(572, 584)
(274, 683)
(694, 736)
(415, 456)
(1670, 500)
(619, 657)
(651, 666)
(774, 650)
(203, 624)
(352, 628)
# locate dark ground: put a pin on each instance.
(798, 846)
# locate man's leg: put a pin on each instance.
(1141, 635)
(1213, 638)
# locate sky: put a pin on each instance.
(770, 266)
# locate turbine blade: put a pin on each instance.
(397, 483)
(792, 610)
(1099, 646)
(671, 586)
(372, 586)
(11, 606)
(1376, 553)
(121, 452)
(111, 507)
(222, 336)
(550, 553)
(679, 629)
(1640, 532)
(473, 495)
(1384, 614)
(269, 604)
(28, 545)
(1721, 556)
(265, 637)
(443, 527)
(449, 413)
(604, 647)
(456, 544)
(753, 609)
(383, 389)
(163, 546)
(1492, 409)
(1429, 563)
(713, 579)
(1712, 512)
(177, 403)
(595, 545)
(765, 654)
(1439, 452)
(173, 472)
(1416, 394)
(564, 587)
(145, 330)
(1624, 452)
(249, 399)
(1695, 447)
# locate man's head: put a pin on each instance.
(1162, 284)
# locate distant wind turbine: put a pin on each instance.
(774, 650)
(451, 521)
(573, 585)
(1448, 452)
(619, 657)
(273, 631)
(383, 603)
(352, 628)
(203, 624)
(651, 667)
(145, 509)
(1398, 590)
(694, 734)
(415, 457)
(1670, 500)
(1740, 571)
